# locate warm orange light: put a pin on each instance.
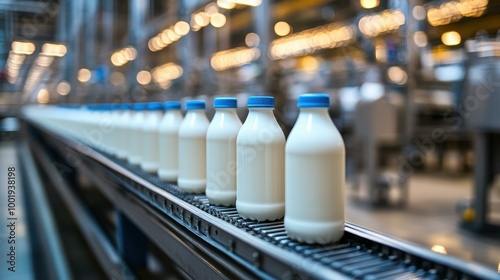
(181, 28)
(252, 40)
(25, 48)
(143, 77)
(451, 38)
(282, 28)
(226, 4)
(369, 4)
(439, 249)
(43, 96)
(63, 88)
(420, 39)
(84, 75)
(218, 20)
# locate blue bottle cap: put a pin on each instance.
(123, 106)
(311, 100)
(140, 106)
(195, 104)
(225, 102)
(172, 105)
(155, 106)
(104, 107)
(260, 102)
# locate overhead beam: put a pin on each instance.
(24, 6)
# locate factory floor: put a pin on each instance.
(430, 218)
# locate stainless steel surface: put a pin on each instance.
(22, 263)
(103, 249)
(43, 218)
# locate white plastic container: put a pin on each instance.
(150, 138)
(122, 140)
(221, 152)
(88, 125)
(315, 174)
(135, 134)
(110, 127)
(95, 134)
(169, 141)
(106, 127)
(260, 163)
(192, 148)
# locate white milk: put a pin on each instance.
(192, 148)
(95, 132)
(113, 128)
(150, 149)
(315, 174)
(169, 141)
(123, 139)
(260, 163)
(91, 133)
(106, 127)
(135, 134)
(221, 152)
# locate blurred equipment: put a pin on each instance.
(376, 136)
(480, 111)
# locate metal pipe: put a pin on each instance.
(90, 27)
(138, 12)
(262, 18)
(107, 39)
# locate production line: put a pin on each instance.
(249, 139)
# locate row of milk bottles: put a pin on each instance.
(250, 166)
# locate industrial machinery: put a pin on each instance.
(479, 111)
(376, 133)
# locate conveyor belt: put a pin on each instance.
(264, 247)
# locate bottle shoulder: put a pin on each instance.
(170, 123)
(261, 133)
(227, 131)
(224, 125)
(195, 125)
(151, 123)
(314, 135)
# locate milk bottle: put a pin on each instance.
(150, 148)
(108, 127)
(315, 174)
(102, 121)
(122, 140)
(112, 129)
(221, 152)
(135, 134)
(169, 141)
(192, 148)
(260, 163)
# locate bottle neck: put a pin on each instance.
(155, 113)
(261, 110)
(225, 110)
(265, 114)
(314, 110)
(173, 112)
(196, 112)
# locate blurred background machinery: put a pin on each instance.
(414, 85)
